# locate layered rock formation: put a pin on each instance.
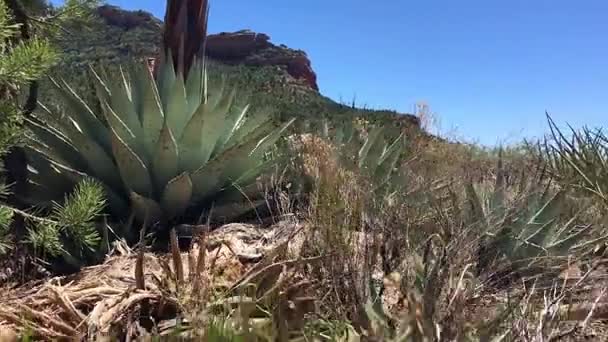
(241, 47)
(250, 48)
(127, 20)
(284, 80)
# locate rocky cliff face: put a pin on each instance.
(283, 78)
(127, 20)
(250, 48)
(241, 47)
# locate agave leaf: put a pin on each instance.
(213, 125)
(98, 160)
(270, 139)
(165, 162)
(177, 107)
(104, 245)
(116, 204)
(121, 129)
(234, 130)
(339, 136)
(237, 193)
(195, 86)
(349, 132)
(81, 113)
(133, 171)
(56, 145)
(177, 195)
(324, 128)
(388, 160)
(236, 200)
(55, 179)
(245, 125)
(122, 104)
(497, 200)
(39, 161)
(193, 141)
(475, 211)
(365, 157)
(138, 75)
(145, 209)
(531, 243)
(216, 94)
(253, 173)
(42, 171)
(546, 219)
(206, 180)
(375, 154)
(166, 80)
(550, 209)
(101, 85)
(239, 166)
(345, 132)
(150, 111)
(229, 165)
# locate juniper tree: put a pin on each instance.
(27, 31)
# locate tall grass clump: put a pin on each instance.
(448, 239)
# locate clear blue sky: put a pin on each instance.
(489, 69)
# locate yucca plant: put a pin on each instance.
(580, 161)
(524, 226)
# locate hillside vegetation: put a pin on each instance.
(152, 201)
(119, 37)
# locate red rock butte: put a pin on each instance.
(242, 47)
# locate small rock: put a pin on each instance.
(8, 334)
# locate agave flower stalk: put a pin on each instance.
(185, 32)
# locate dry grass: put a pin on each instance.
(131, 289)
(422, 239)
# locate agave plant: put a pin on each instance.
(375, 154)
(524, 225)
(159, 146)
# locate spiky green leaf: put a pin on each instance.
(177, 195)
(165, 162)
(145, 209)
(133, 171)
